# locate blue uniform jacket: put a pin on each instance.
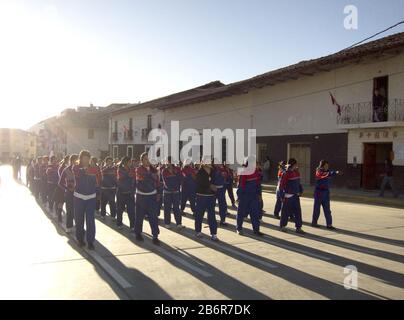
(108, 180)
(85, 180)
(171, 180)
(125, 181)
(147, 181)
(322, 179)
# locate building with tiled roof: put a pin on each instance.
(292, 112)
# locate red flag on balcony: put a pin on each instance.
(335, 103)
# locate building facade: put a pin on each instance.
(16, 142)
(74, 130)
(293, 113)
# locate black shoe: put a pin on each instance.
(81, 244)
(258, 233)
(240, 232)
(223, 224)
(156, 241)
(315, 225)
(277, 216)
(300, 231)
(139, 238)
(331, 228)
(90, 246)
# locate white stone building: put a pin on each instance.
(293, 115)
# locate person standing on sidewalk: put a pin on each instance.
(290, 191)
(86, 183)
(322, 194)
(388, 178)
(147, 198)
(66, 182)
(125, 194)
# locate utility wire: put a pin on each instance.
(376, 34)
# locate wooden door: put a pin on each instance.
(369, 178)
(302, 153)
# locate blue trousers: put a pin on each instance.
(291, 207)
(108, 197)
(188, 195)
(322, 199)
(125, 200)
(85, 210)
(249, 204)
(147, 205)
(205, 203)
(278, 204)
(172, 203)
(221, 199)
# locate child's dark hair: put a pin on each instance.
(322, 164)
(84, 153)
(281, 164)
(124, 161)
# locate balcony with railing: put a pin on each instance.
(128, 135)
(114, 136)
(364, 115)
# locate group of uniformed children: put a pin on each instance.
(141, 189)
(289, 190)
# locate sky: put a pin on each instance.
(58, 54)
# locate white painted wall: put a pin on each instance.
(294, 107)
(300, 106)
(77, 140)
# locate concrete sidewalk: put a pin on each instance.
(350, 195)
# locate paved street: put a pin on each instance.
(39, 261)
